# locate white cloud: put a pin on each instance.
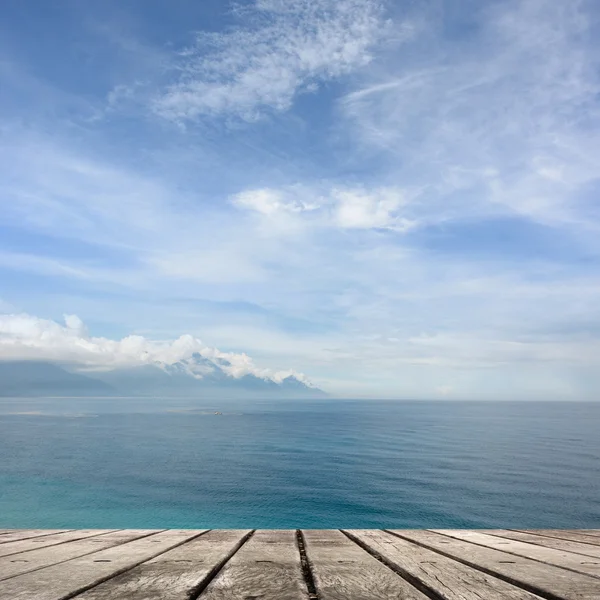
(23, 336)
(357, 209)
(271, 202)
(506, 121)
(341, 207)
(281, 49)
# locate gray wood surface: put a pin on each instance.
(550, 556)
(64, 580)
(342, 570)
(539, 540)
(16, 564)
(524, 572)
(448, 578)
(270, 565)
(574, 536)
(49, 540)
(23, 534)
(267, 567)
(174, 574)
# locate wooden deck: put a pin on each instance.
(299, 565)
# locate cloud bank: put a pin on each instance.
(25, 337)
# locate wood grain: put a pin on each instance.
(539, 540)
(446, 577)
(524, 572)
(550, 556)
(64, 580)
(16, 564)
(23, 534)
(574, 536)
(267, 567)
(325, 565)
(49, 540)
(173, 575)
(342, 570)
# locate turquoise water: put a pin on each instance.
(173, 463)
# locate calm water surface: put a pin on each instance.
(68, 463)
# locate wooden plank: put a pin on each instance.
(16, 564)
(529, 574)
(446, 577)
(72, 577)
(267, 566)
(23, 534)
(574, 536)
(595, 532)
(539, 540)
(49, 540)
(174, 575)
(550, 556)
(342, 570)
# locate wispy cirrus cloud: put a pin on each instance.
(505, 121)
(279, 50)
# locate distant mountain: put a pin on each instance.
(34, 378)
(206, 377)
(197, 376)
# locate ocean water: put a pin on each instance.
(157, 463)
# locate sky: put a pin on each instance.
(395, 199)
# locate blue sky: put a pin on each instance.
(395, 199)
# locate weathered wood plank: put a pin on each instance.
(550, 556)
(64, 580)
(584, 531)
(16, 564)
(49, 540)
(23, 534)
(267, 567)
(447, 577)
(342, 570)
(174, 574)
(529, 574)
(539, 540)
(574, 536)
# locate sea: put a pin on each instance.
(197, 463)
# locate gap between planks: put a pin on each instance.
(538, 578)
(548, 556)
(309, 564)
